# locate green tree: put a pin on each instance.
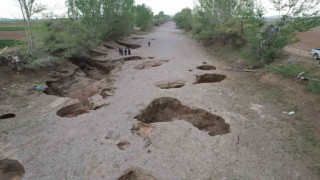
(28, 9)
(108, 18)
(184, 19)
(242, 21)
(143, 16)
(160, 18)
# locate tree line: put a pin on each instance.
(88, 23)
(242, 23)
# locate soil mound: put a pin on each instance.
(167, 109)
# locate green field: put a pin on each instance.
(11, 28)
(11, 22)
(9, 43)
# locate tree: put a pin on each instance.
(295, 16)
(143, 16)
(242, 22)
(160, 18)
(215, 17)
(184, 19)
(28, 9)
(108, 18)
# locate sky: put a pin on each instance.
(10, 8)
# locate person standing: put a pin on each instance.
(125, 52)
(129, 51)
(149, 43)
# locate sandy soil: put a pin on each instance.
(110, 143)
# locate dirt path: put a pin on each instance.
(220, 130)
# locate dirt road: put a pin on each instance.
(219, 130)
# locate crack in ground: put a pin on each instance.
(90, 79)
(206, 67)
(136, 175)
(210, 78)
(171, 84)
(167, 109)
(11, 169)
(7, 116)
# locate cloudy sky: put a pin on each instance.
(10, 9)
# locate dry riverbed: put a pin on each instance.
(169, 111)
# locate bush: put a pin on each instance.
(43, 62)
(289, 70)
(66, 38)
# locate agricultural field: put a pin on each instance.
(11, 33)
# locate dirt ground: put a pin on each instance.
(307, 41)
(164, 120)
(12, 35)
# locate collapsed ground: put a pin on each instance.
(171, 110)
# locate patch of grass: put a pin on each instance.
(11, 21)
(274, 94)
(12, 28)
(303, 143)
(288, 70)
(24, 104)
(14, 94)
(9, 43)
(314, 86)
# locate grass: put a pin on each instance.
(9, 43)
(12, 28)
(288, 70)
(303, 143)
(292, 70)
(314, 86)
(274, 94)
(11, 21)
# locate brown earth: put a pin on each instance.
(12, 35)
(306, 41)
(167, 109)
(256, 141)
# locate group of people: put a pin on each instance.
(125, 51)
